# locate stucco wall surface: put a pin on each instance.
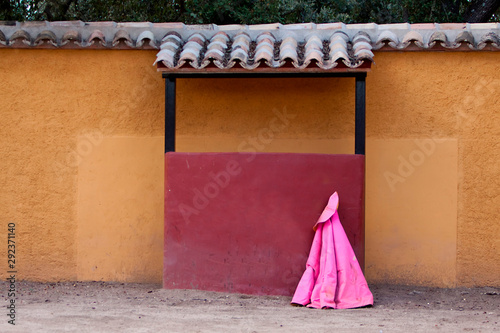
(82, 158)
(59, 110)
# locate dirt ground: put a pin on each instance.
(118, 307)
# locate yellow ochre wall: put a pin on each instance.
(81, 157)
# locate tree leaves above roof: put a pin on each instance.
(253, 11)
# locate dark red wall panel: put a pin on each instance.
(239, 222)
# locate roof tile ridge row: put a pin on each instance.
(147, 35)
(225, 51)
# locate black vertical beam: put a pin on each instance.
(169, 113)
(360, 125)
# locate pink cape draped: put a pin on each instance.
(333, 277)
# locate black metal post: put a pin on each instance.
(359, 136)
(169, 113)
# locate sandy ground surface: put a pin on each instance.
(117, 307)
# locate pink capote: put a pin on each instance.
(333, 277)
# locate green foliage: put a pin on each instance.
(243, 11)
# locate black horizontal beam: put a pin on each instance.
(214, 75)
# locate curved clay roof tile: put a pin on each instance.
(221, 35)
(241, 40)
(122, 36)
(46, 36)
(197, 38)
(170, 46)
(97, 35)
(265, 35)
(313, 55)
(340, 34)
(242, 34)
(191, 53)
(264, 50)
(265, 43)
(338, 55)
(216, 44)
(386, 37)
(265, 53)
(173, 36)
(412, 36)
(361, 36)
(363, 48)
(465, 37)
(215, 53)
(20, 34)
(241, 44)
(170, 43)
(146, 35)
(490, 38)
(188, 57)
(364, 54)
(314, 39)
(338, 41)
(353, 64)
(71, 35)
(290, 54)
(288, 42)
(193, 44)
(438, 37)
(238, 55)
(337, 47)
(166, 57)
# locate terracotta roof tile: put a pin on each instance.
(147, 36)
(46, 36)
(326, 46)
(124, 37)
(97, 36)
(412, 36)
(21, 36)
(71, 36)
(490, 38)
(465, 37)
(438, 37)
(386, 37)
